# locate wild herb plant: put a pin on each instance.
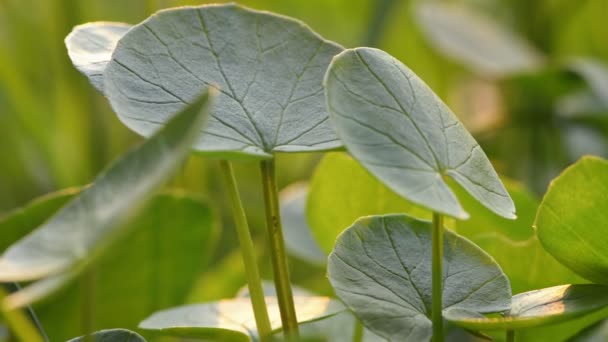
(279, 87)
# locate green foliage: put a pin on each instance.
(111, 335)
(571, 223)
(538, 307)
(96, 217)
(268, 69)
(232, 319)
(381, 269)
(396, 126)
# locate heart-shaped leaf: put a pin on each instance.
(474, 40)
(572, 220)
(232, 319)
(269, 69)
(538, 307)
(298, 237)
(394, 124)
(88, 224)
(111, 335)
(90, 47)
(381, 269)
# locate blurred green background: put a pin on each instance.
(56, 131)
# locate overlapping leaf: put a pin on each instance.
(298, 237)
(233, 319)
(111, 335)
(381, 269)
(90, 47)
(538, 307)
(88, 224)
(394, 124)
(269, 69)
(572, 219)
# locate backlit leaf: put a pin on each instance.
(538, 307)
(572, 220)
(269, 70)
(396, 126)
(381, 269)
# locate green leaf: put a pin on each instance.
(595, 333)
(95, 218)
(474, 40)
(332, 187)
(572, 219)
(232, 319)
(111, 335)
(508, 241)
(394, 124)
(298, 237)
(90, 48)
(381, 269)
(538, 307)
(19, 222)
(154, 268)
(269, 69)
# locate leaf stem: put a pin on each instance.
(18, 322)
(358, 333)
(510, 335)
(277, 251)
(87, 309)
(252, 273)
(437, 278)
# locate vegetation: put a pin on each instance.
(442, 248)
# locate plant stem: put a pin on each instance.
(510, 335)
(358, 333)
(437, 278)
(87, 310)
(277, 251)
(249, 258)
(19, 324)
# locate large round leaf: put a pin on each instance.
(394, 124)
(538, 307)
(232, 319)
(88, 224)
(572, 220)
(381, 269)
(269, 69)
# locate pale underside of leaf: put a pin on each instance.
(396, 126)
(90, 48)
(476, 41)
(82, 230)
(381, 269)
(298, 236)
(269, 70)
(233, 317)
(539, 307)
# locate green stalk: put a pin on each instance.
(437, 305)
(510, 335)
(277, 251)
(248, 252)
(18, 323)
(87, 309)
(358, 333)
